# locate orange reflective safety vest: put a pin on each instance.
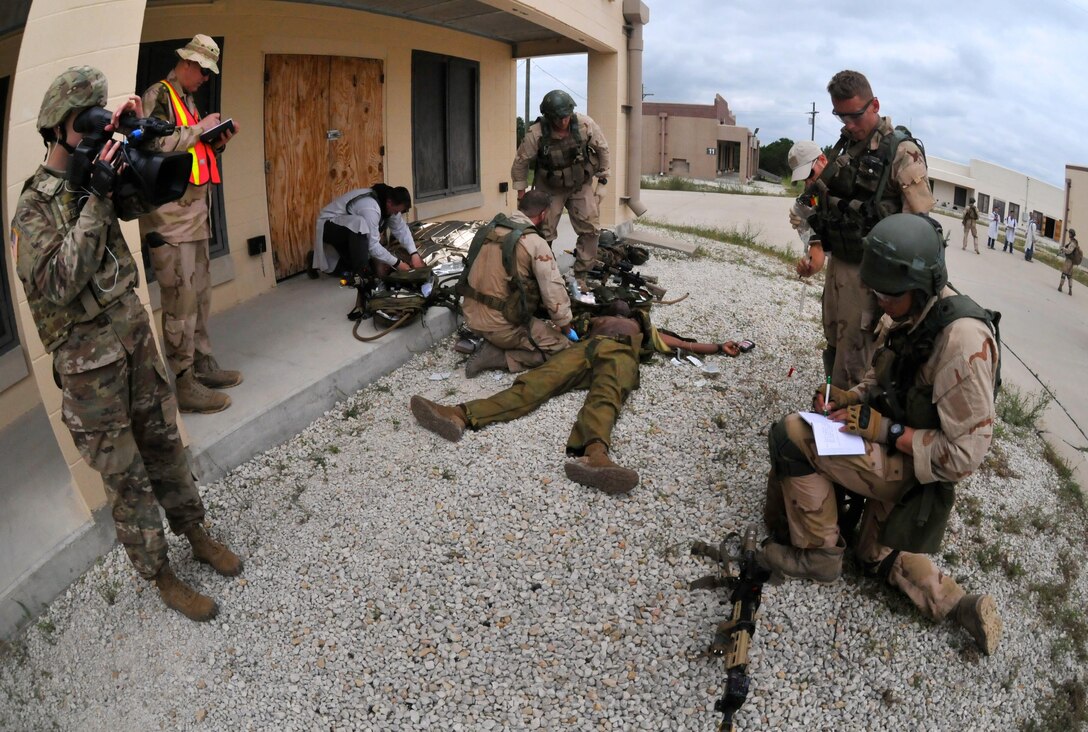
(205, 167)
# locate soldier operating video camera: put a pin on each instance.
(136, 170)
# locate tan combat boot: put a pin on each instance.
(978, 615)
(596, 470)
(195, 397)
(181, 597)
(447, 422)
(820, 565)
(209, 551)
(210, 375)
(489, 356)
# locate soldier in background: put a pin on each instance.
(873, 171)
(517, 336)
(79, 277)
(180, 257)
(970, 220)
(925, 411)
(1073, 256)
(568, 152)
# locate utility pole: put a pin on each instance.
(812, 121)
(646, 93)
(528, 63)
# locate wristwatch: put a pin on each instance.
(894, 432)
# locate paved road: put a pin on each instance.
(1040, 327)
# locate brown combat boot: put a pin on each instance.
(181, 597)
(820, 565)
(596, 470)
(489, 356)
(210, 375)
(446, 422)
(195, 397)
(978, 616)
(209, 551)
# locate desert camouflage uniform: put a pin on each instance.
(962, 370)
(182, 265)
(537, 269)
(970, 221)
(79, 277)
(571, 188)
(1067, 267)
(850, 312)
(606, 366)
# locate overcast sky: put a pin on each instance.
(1004, 81)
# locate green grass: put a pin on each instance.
(1021, 409)
(1067, 711)
(677, 183)
(1061, 609)
(746, 239)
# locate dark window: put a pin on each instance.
(445, 125)
(9, 336)
(999, 205)
(984, 204)
(155, 62)
(1014, 210)
(959, 197)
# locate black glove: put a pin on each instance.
(102, 178)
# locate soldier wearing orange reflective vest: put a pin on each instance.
(179, 252)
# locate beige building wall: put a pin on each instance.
(1076, 206)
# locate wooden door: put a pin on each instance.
(323, 137)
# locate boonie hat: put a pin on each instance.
(203, 50)
(801, 157)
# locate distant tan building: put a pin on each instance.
(1076, 199)
(696, 141)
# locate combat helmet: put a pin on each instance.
(557, 104)
(903, 252)
(78, 87)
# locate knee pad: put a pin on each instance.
(786, 458)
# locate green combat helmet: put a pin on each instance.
(904, 252)
(557, 104)
(77, 88)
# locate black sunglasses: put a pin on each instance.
(854, 116)
(203, 71)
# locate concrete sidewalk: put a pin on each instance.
(1044, 333)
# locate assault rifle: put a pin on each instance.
(733, 637)
(624, 272)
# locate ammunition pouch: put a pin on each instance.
(919, 518)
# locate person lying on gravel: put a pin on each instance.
(606, 364)
(925, 411)
(654, 339)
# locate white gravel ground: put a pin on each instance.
(395, 581)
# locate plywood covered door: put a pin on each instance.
(323, 137)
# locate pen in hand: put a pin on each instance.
(827, 394)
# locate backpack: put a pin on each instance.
(1077, 256)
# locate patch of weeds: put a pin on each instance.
(47, 628)
(396, 423)
(383, 388)
(989, 557)
(1066, 710)
(109, 591)
(952, 558)
(351, 412)
(997, 462)
(1020, 409)
(1014, 523)
(451, 391)
(318, 460)
(334, 449)
(746, 239)
(970, 508)
(1069, 492)
(448, 474)
(1061, 609)
(1039, 520)
(999, 431)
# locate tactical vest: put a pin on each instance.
(562, 163)
(116, 275)
(918, 520)
(858, 195)
(524, 298)
(205, 166)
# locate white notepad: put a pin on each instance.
(829, 441)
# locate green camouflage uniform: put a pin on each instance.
(607, 367)
(182, 265)
(79, 277)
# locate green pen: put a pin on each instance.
(827, 395)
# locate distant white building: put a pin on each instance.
(993, 186)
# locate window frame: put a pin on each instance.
(9, 332)
(424, 62)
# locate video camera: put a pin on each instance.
(136, 170)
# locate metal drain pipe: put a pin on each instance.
(636, 14)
